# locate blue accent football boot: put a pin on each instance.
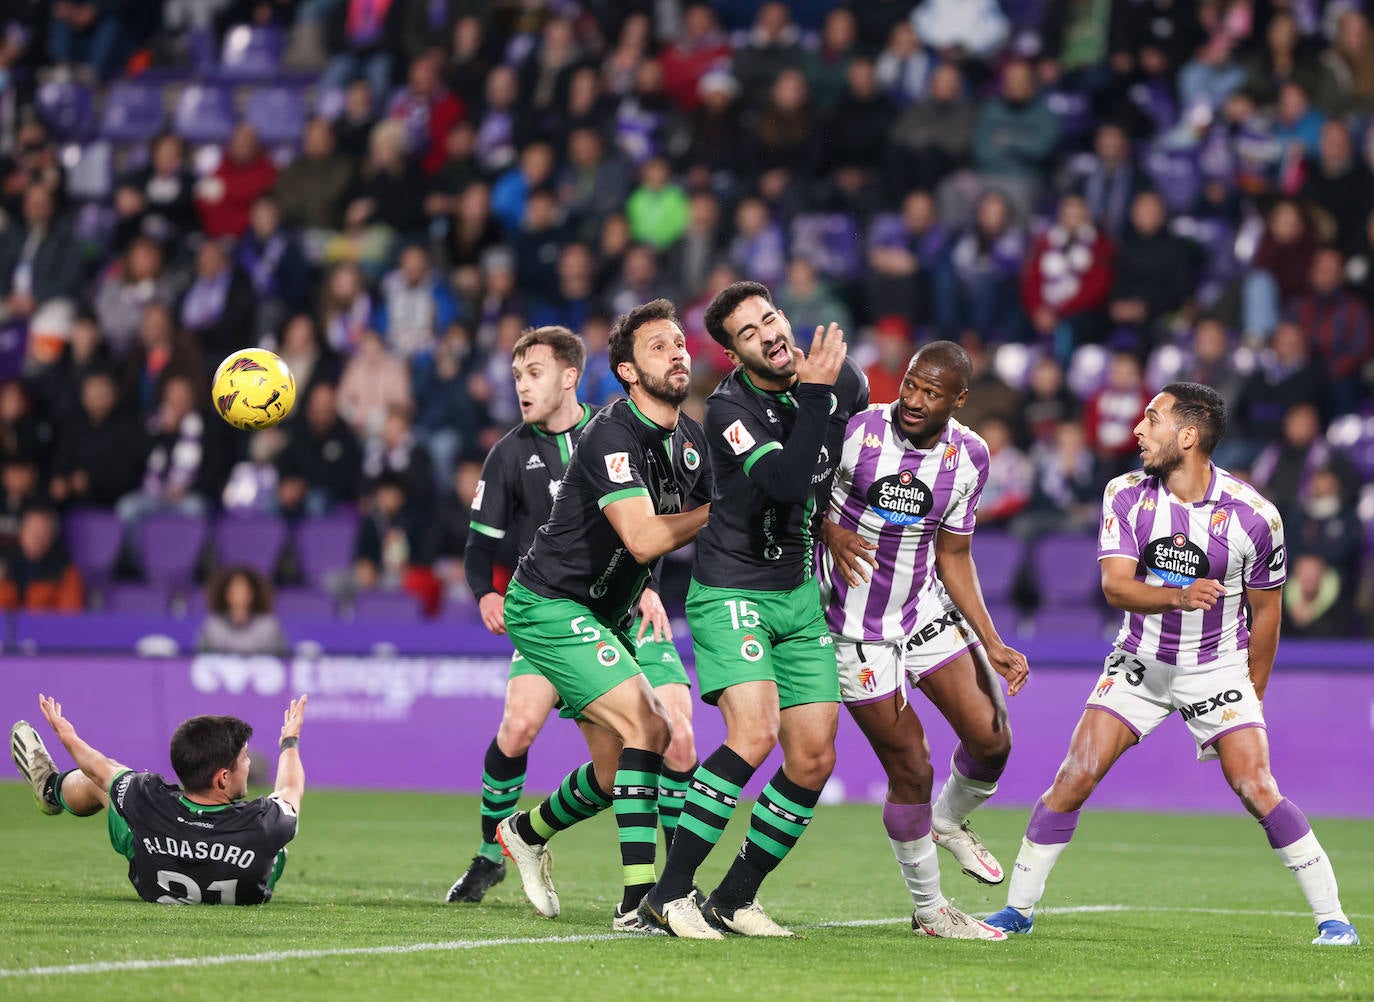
(1011, 921)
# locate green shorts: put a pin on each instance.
(658, 659)
(583, 655)
(763, 636)
(519, 666)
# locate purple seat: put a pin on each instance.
(251, 53)
(90, 170)
(194, 604)
(999, 557)
(1070, 621)
(93, 537)
(831, 241)
(254, 539)
(66, 108)
(301, 603)
(278, 113)
(324, 547)
(1065, 569)
(169, 547)
(133, 113)
(205, 114)
(134, 600)
(388, 606)
(1353, 434)
(39, 633)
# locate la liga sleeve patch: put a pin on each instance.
(618, 467)
(738, 438)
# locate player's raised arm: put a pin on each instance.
(99, 768)
(648, 535)
(290, 773)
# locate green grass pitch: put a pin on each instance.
(1142, 906)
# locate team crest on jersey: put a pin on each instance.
(738, 437)
(1221, 518)
(690, 457)
(618, 467)
(866, 679)
(477, 495)
(606, 654)
(1175, 560)
(951, 456)
(872, 441)
(751, 649)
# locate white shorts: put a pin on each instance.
(1215, 700)
(871, 671)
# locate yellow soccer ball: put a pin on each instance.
(253, 389)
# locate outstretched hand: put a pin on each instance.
(826, 359)
(52, 712)
(293, 718)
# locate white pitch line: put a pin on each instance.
(276, 956)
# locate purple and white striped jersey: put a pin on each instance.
(897, 496)
(1232, 535)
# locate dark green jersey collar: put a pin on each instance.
(665, 432)
(201, 808)
(781, 396)
(586, 416)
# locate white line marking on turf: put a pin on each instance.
(276, 956)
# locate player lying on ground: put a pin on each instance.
(904, 607)
(1184, 546)
(520, 477)
(200, 843)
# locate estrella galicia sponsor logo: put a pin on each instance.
(900, 498)
(1276, 558)
(934, 628)
(690, 457)
(751, 650)
(1176, 560)
(1206, 706)
(606, 654)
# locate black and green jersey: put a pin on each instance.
(180, 852)
(773, 456)
(577, 554)
(520, 478)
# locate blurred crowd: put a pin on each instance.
(1093, 196)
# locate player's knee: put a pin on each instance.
(992, 750)
(517, 733)
(810, 767)
(1257, 789)
(653, 731)
(909, 780)
(1074, 783)
(682, 750)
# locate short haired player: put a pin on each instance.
(202, 843)
(1184, 547)
(903, 603)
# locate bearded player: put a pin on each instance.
(1184, 547)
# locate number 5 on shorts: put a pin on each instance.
(589, 634)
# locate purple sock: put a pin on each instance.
(906, 822)
(1049, 827)
(1285, 824)
(970, 768)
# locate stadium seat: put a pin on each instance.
(205, 114)
(304, 603)
(391, 606)
(999, 557)
(1353, 435)
(90, 170)
(251, 52)
(93, 538)
(134, 600)
(278, 114)
(324, 547)
(1085, 621)
(50, 633)
(253, 539)
(169, 548)
(67, 108)
(830, 241)
(133, 113)
(1087, 370)
(1064, 567)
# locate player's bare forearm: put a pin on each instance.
(957, 572)
(98, 767)
(1266, 612)
(649, 536)
(290, 773)
(1124, 592)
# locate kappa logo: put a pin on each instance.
(738, 437)
(1148, 504)
(534, 463)
(1229, 716)
(872, 441)
(618, 467)
(951, 456)
(478, 494)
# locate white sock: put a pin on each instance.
(1033, 865)
(1312, 867)
(920, 870)
(958, 799)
